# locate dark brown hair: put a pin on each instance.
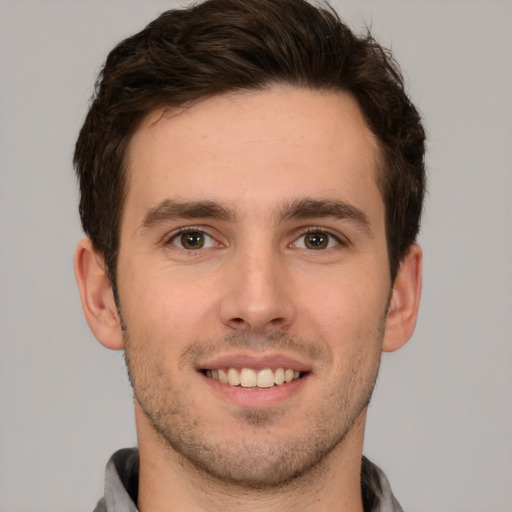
(221, 46)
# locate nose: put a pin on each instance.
(258, 294)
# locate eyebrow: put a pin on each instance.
(170, 209)
(314, 208)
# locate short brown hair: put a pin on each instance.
(221, 46)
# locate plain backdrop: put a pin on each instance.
(440, 424)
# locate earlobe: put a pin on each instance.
(405, 300)
(96, 295)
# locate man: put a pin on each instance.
(251, 180)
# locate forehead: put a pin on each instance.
(253, 147)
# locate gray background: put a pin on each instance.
(441, 421)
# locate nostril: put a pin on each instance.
(238, 324)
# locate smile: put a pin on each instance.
(249, 378)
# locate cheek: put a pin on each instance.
(164, 307)
(348, 314)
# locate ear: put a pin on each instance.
(97, 297)
(405, 301)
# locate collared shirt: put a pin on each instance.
(122, 485)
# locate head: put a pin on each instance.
(223, 46)
(252, 189)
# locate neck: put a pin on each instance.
(169, 482)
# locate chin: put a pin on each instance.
(265, 453)
(258, 465)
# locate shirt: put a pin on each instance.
(122, 485)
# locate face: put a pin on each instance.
(253, 281)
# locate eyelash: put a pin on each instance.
(190, 229)
(322, 231)
(340, 241)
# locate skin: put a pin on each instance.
(257, 178)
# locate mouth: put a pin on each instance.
(253, 378)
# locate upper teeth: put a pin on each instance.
(249, 378)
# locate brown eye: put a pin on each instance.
(193, 240)
(316, 241)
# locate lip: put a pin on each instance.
(254, 398)
(272, 361)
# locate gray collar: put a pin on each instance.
(122, 481)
